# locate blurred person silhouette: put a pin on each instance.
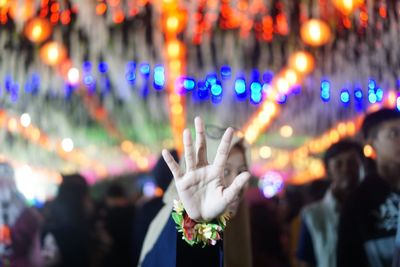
(19, 225)
(67, 233)
(368, 221)
(146, 212)
(318, 235)
(118, 220)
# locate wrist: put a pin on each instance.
(198, 232)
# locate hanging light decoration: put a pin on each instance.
(37, 30)
(346, 7)
(4, 3)
(315, 32)
(22, 10)
(53, 53)
(302, 62)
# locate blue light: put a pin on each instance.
(358, 94)
(88, 80)
(130, 77)
(103, 67)
(255, 74)
(189, 84)
(145, 69)
(8, 83)
(226, 72)
(131, 66)
(371, 84)
(216, 89)
(256, 97)
(159, 77)
(345, 96)
(268, 76)
(14, 92)
(325, 85)
(325, 91)
(255, 87)
(240, 86)
(211, 78)
(379, 94)
(202, 91)
(372, 98)
(87, 66)
(28, 87)
(398, 103)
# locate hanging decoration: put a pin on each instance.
(315, 32)
(302, 62)
(53, 53)
(37, 30)
(346, 7)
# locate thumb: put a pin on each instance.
(232, 192)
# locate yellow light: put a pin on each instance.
(368, 151)
(334, 136)
(282, 85)
(291, 77)
(142, 163)
(302, 62)
(315, 32)
(342, 129)
(175, 66)
(347, 6)
(52, 53)
(174, 49)
(177, 109)
(264, 117)
(37, 30)
(351, 128)
(3, 3)
(12, 125)
(172, 23)
(286, 131)
(127, 146)
(265, 152)
(250, 135)
(35, 134)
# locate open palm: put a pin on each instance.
(202, 189)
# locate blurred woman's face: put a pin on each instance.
(235, 165)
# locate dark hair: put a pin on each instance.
(68, 205)
(373, 120)
(341, 147)
(116, 190)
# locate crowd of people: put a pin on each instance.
(349, 218)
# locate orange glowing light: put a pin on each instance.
(101, 8)
(52, 53)
(174, 49)
(346, 7)
(315, 32)
(37, 30)
(22, 10)
(302, 62)
(118, 16)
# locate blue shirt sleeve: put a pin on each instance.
(305, 248)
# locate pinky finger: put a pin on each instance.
(232, 192)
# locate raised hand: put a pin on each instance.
(201, 188)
